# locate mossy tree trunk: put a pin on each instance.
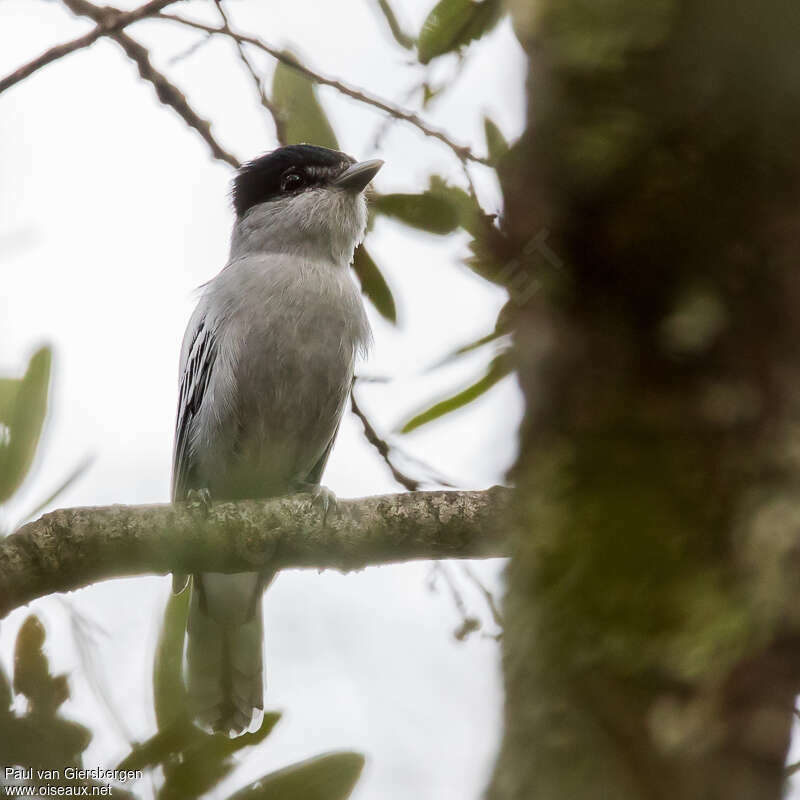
(653, 610)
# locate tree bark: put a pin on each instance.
(73, 547)
(652, 629)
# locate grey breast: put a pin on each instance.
(288, 334)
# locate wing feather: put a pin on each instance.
(194, 382)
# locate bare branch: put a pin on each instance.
(462, 151)
(381, 446)
(73, 547)
(494, 608)
(166, 91)
(110, 21)
(271, 108)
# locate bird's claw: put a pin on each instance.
(199, 501)
(321, 496)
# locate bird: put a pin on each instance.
(266, 368)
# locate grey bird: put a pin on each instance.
(265, 372)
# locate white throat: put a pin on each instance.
(321, 224)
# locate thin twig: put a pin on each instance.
(271, 108)
(382, 447)
(190, 50)
(166, 91)
(110, 22)
(462, 151)
(469, 623)
(487, 595)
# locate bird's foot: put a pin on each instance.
(199, 501)
(321, 496)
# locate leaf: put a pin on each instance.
(32, 676)
(8, 395)
(303, 117)
(373, 284)
(25, 422)
(431, 212)
(41, 737)
(169, 694)
(400, 36)
(467, 348)
(327, 777)
(471, 217)
(160, 747)
(454, 23)
(499, 367)
(496, 143)
(207, 759)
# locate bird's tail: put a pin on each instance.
(224, 659)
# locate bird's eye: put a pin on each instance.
(291, 181)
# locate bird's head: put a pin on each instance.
(302, 199)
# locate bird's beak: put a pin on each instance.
(356, 178)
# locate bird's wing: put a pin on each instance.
(315, 475)
(195, 374)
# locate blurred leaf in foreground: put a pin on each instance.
(328, 777)
(454, 23)
(40, 738)
(400, 36)
(374, 285)
(496, 143)
(169, 694)
(304, 119)
(23, 408)
(499, 367)
(431, 211)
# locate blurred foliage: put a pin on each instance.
(374, 285)
(23, 407)
(452, 24)
(400, 36)
(301, 114)
(23, 411)
(193, 761)
(39, 738)
(498, 368)
(328, 777)
(429, 212)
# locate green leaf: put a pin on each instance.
(499, 367)
(454, 23)
(303, 117)
(8, 395)
(169, 694)
(373, 284)
(470, 347)
(471, 217)
(162, 746)
(432, 211)
(41, 737)
(327, 777)
(400, 36)
(207, 760)
(496, 143)
(25, 421)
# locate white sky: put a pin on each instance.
(111, 213)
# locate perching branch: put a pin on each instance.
(74, 547)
